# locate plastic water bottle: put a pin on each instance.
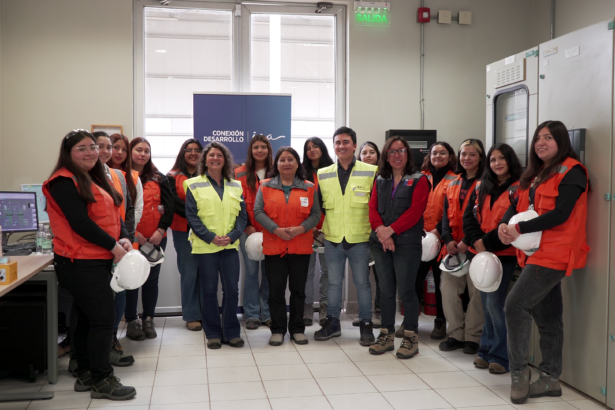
(47, 241)
(39, 239)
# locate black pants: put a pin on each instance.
(420, 278)
(88, 283)
(293, 269)
(149, 293)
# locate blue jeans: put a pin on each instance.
(227, 263)
(255, 297)
(188, 266)
(358, 257)
(493, 340)
(120, 307)
(324, 279)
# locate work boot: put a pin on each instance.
(377, 319)
(322, 313)
(116, 343)
(439, 329)
(496, 368)
(331, 328)
(252, 324)
(308, 314)
(135, 332)
(545, 386)
(383, 344)
(84, 382)
(520, 386)
(299, 338)
(481, 363)
(117, 358)
(357, 321)
(470, 347)
(64, 346)
(194, 326)
(400, 332)
(367, 333)
(276, 339)
(72, 364)
(111, 388)
(409, 346)
(149, 328)
(451, 344)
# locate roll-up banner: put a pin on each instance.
(234, 118)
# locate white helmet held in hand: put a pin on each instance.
(254, 246)
(527, 242)
(131, 272)
(486, 272)
(457, 265)
(431, 247)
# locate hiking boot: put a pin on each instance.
(117, 358)
(111, 388)
(451, 344)
(439, 329)
(72, 364)
(252, 324)
(84, 382)
(331, 328)
(367, 333)
(214, 343)
(64, 346)
(149, 328)
(234, 342)
(545, 386)
(383, 344)
(496, 368)
(276, 339)
(520, 386)
(195, 325)
(409, 346)
(116, 343)
(377, 319)
(267, 323)
(400, 332)
(299, 338)
(481, 363)
(135, 332)
(470, 347)
(308, 314)
(356, 322)
(322, 313)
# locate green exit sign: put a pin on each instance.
(372, 14)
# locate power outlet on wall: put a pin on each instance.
(465, 17)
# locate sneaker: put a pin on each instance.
(451, 344)
(64, 346)
(331, 328)
(135, 332)
(117, 358)
(72, 364)
(149, 328)
(520, 386)
(234, 342)
(195, 325)
(481, 363)
(470, 347)
(214, 343)
(409, 346)
(84, 382)
(496, 368)
(367, 333)
(308, 314)
(383, 344)
(356, 322)
(299, 338)
(252, 324)
(545, 386)
(377, 319)
(267, 323)
(111, 388)
(276, 339)
(322, 313)
(400, 332)
(439, 329)
(116, 343)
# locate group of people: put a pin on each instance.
(368, 209)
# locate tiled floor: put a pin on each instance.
(176, 372)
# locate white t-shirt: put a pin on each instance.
(261, 173)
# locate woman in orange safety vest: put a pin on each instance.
(555, 185)
(89, 236)
(287, 208)
(121, 160)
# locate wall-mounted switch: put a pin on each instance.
(465, 17)
(444, 16)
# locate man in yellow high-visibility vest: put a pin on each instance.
(344, 190)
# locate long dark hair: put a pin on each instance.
(149, 169)
(180, 161)
(127, 166)
(251, 164)
(227, 169)
(489, 180)
(84, 179)
(535, 167)
(324, 160)
(384, 168)
(459, 169)
(300, 173)
(452, 162)
(372, 145)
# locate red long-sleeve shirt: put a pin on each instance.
(409, 218)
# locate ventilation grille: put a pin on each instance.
(513, 73)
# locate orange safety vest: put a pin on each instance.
(490, 217)
(180, 223)
(455, 215)
(103, 212)
(563, 247)
(284, 214)
(151, 216)
(115, 180)
(241, 174)
(435, 201)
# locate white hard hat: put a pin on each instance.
(153, 253)
(254, 246)
(457, 265)
(431, 247)
(527, 242)
(131, 272)
(486, 272)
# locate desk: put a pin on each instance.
(29, 269)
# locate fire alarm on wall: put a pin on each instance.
(424, 15)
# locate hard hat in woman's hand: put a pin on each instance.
(431, 247)
(254, 246)
(486, 272)
(131, 272)
(527, 242)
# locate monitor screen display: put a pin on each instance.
(41, 200)
(18, 212)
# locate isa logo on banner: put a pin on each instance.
(234, 118)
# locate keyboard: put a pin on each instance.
(19, 249)
(17, 252)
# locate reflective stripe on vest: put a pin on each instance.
(119, 183)
(435, 201)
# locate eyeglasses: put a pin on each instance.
(83, 149)
(393, 152)
(289, 162)
(191, 150)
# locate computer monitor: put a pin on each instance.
(18, 212)
(41, 200)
